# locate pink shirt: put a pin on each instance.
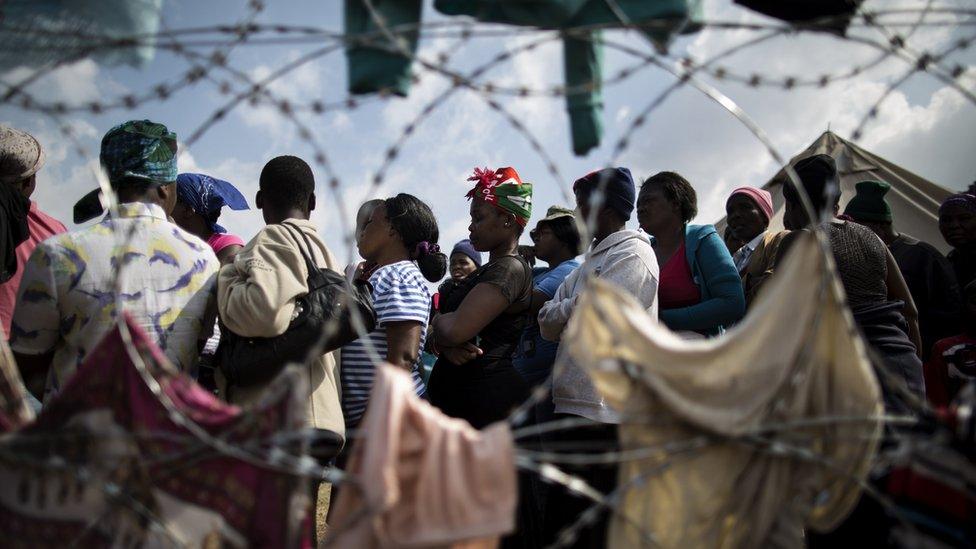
(41, 227)
(219, 241)
(677, 287)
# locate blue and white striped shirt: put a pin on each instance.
(400, 293)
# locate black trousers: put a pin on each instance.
(563, 508)
(480, 394)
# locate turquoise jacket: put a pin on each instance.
(723, 302)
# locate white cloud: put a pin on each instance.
(934, 139)
(66, 175)
(71, 161)
(242, 174)
(691, 135)
(341, 121)
(926, 128)
(622, 114)
(534, 70)
(299, 86)
(74, 84)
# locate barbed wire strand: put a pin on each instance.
(460, 81)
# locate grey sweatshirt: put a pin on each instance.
(626, 259)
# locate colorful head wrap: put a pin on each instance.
(760, 197)
(964, 200)
(504, 190)
(141, 150)
(206, 196)
(21, 155)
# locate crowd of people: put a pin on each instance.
(478, 346)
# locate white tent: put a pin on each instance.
(914, 200)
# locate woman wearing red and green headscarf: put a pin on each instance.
(482, 317)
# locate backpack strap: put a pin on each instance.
(309, 262)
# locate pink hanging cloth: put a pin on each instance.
(421, 479)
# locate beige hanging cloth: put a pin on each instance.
(781, 413)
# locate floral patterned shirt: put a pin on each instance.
(66, 302)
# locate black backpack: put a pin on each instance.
(323, 320)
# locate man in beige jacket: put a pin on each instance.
(256, 293)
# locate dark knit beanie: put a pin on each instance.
(620, 191)
(869, 203)
(465, 247)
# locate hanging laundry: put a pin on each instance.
(423, 479)
(583, 49)
(375, 62)
(14, 410)
(38, 32)
(583, 68)
(373, 68)
(582, 53)
(104, 464)
(829, 15)
(793, 374)
(659, 19)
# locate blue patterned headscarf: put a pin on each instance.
(206, 195)
(139, 150)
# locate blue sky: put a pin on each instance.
(926, 126)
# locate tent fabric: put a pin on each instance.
(914, 200)
(738, 402)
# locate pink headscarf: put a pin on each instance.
(762, 199)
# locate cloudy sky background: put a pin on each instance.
(925, 126)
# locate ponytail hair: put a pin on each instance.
(412, 219)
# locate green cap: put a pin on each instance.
(555, 212)
(869, 202)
